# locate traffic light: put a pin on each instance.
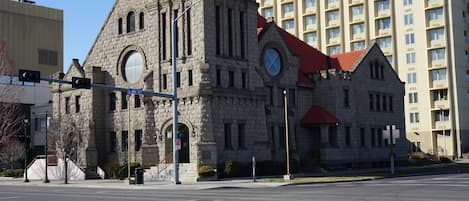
(30, 76)
(81, 83)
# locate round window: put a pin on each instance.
(272, 62)
(133, 67)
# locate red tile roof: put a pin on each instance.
(311, 59)
(317, 115)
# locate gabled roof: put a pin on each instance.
(311, 59)
(318, 115)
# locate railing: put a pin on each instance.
(164, 163)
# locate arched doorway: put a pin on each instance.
(183, 131)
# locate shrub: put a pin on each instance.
(121, 172)
(231, 169)
(13, 173)
(417, 156)
(206, 171)
(445, 159)
(111, 170)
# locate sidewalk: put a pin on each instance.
(120, 184)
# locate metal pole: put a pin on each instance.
(392, 148)
(253, 169)
(286, 133)
(26, 147)
(46, 179)
(128, 138)
(175, 104)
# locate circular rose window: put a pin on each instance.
(133, 66)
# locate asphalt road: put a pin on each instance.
(451, 187)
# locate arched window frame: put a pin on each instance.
(141, 20)
(130, 22)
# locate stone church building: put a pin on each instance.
(232, 67)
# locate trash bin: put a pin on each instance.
(138, 175)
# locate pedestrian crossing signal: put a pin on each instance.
(29, 76)
(81, 83)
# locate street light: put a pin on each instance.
(26, 148)
(288, 175)
(175, 98)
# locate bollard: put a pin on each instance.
(253, 169)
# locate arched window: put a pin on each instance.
(120, 26)
(142, 20)
(130, 22)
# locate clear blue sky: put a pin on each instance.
(83, 20)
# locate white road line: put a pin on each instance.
(9, 198)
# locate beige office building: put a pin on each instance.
(425, 40)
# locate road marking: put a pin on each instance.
(9, 198)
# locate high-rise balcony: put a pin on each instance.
(433, 3)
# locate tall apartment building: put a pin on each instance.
(426, 41)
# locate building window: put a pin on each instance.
(112, 101)
(360, 45)
(441, 115)
(436, 34)
(373, 137)
(268, 12)
(358, 30)
(178, 79)
(380, 137)
(142, 20)
(243, 80)
(371, 101)
(163, 35)
(230, 32)
(411, 78)
(416, 146)
(241, 34)
(231, 79)
(77, 104)
(189, 32)
(440, 95)
(435, 14)
(311, 38)
(384, 42)
(165, 81)
(335, 49)
(391, 104)
(218, 77)
(289, 24)
(124, 141)
(348, 140)
(271, 95)
(389, 59)
(137, 101)
(310, 4)
(385, 103)
(346, 98)
(113, 142)
(47, 57)
(414, 117)
(410, 58)
(189, 75)
(217, 30)
(382, 6)
(227, 129)
(138, 140)
(413, 98)
(310, 21)
(378, 102)
(281, 137)
(287, 8)
(357, 12)
(407, 2)
(409, 19)
(132, 67)
(292, 97)
(242, 136)
(333, 136)
(67, 105)
(437, 54)
(119, 26)
(333, 33)
(362, 137)
(124, 100)
(175, 14)
(130, 22)
(439, 74)
(332, 16)
(272, 138)
(384, 24)
(409, 39)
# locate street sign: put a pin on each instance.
(134, 91)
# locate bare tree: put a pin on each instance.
(12, 151)
(68, 139)
(11, 113)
